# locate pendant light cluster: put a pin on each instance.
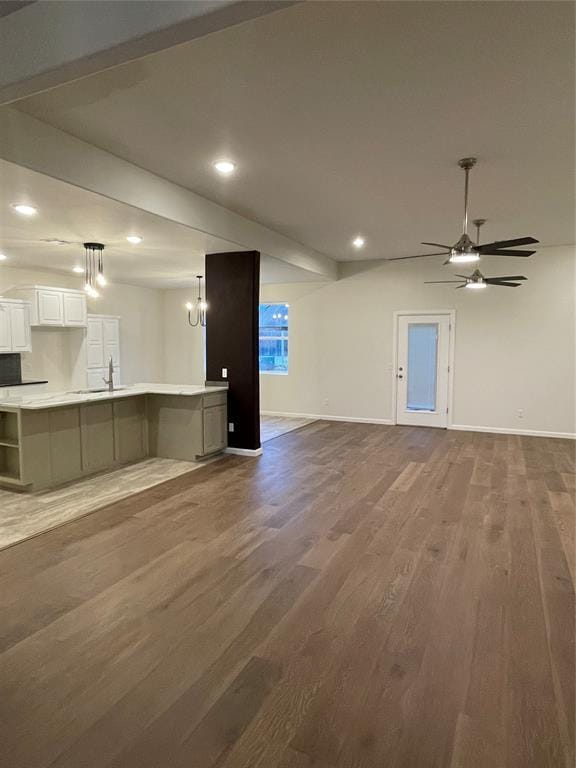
(197, 311)
(94, 269)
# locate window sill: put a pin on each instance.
(273, 373)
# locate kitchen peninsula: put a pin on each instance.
(50, 439)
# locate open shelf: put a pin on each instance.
(8, 428)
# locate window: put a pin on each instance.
(422, 366)
(273, 338)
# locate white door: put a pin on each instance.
(422, 370)
(5, 333)
(20, 322)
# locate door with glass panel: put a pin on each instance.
(422, 370)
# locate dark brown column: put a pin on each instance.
(232, 293)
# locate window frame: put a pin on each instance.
(286, 338)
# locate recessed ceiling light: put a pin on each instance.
(3, 257)
(78, 268)
(134, 239)
(25, 210)
(225, 167)
(358, 242)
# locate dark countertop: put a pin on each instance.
(24, 383)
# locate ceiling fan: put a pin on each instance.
(465, 250)
(477, 281)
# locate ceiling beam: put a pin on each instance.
(47, 44)
(30, 143)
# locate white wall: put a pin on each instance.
(515, 348)
(183, 345)
(54, 350)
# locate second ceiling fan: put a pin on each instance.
(466, 250)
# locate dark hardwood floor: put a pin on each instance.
(360, 596)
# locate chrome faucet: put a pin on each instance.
(110, 380)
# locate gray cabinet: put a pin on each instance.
(97, 427)
(130, 429)
(45, 447)
(214, 428)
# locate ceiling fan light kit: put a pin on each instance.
(465, 250)
(476, 281)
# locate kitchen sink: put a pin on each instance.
(95, 391)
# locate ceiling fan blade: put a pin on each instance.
(420, 256)
(506, 278)
(460, 286)
(497, 283)
(439, 245)
(499, 244)
(429, 282)
(503, 252)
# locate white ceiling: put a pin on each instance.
(349, 117)
(169, 256)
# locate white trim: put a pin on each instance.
(245, 451)
(457, 427)
(508, 431)
(326, 417)
(451, 347)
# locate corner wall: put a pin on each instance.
(514, 348)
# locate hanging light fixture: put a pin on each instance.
(94, 268)
(197, 311)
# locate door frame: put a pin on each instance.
(451, 313)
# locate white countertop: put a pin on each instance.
(56, 399)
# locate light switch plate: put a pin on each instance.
(224, 373)
(230, 426)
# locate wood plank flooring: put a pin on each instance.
(24, 514)
(360, 596)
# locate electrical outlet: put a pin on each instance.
(326, 401)
(230, 426)
(520, 413)
(224, 373)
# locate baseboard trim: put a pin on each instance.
(325, 417)
(507, 431)
(459, 427)
(245, 451)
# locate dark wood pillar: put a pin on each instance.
(232, 293)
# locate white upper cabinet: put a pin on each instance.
(49, 307)
(74, 309)
(5, 333)
(15, 326)
(20, 327)
(56, 307)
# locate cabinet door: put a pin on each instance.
(111, 330)
(5, 333)
(74, 309)
(214, 428)
(50, 307)
(96, 378)
(20, 328)
(97, 427)
(94, 343)
(112, 351)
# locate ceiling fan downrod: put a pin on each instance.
(466, 163)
